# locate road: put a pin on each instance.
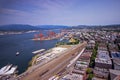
(55, 66)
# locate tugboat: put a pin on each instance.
(17, 53)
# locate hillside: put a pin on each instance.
(52, 26)
(20, 27)
(17, 27)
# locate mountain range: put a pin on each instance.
(20, 27)
(97, 26)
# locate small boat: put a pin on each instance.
(17, 53)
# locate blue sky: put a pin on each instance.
(60, 12)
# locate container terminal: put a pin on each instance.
(50, 35)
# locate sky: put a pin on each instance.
(60, 12)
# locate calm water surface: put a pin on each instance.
(10, 44)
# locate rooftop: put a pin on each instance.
(72, 76)
(115, 54)
(85, 56)
(92, 41)
(117, 78)
(103, 54)
(96, 78)
(115, 72)
(99, 72)
(102, 44)
(103, 57)
(102, 48)
(116, 61)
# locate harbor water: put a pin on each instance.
(22, 43)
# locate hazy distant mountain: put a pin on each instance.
(20, 27)
(97, 26)
(52, 26)
(17, 27)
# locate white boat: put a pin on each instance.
(17, 53)
(2, 69)
(61, 39)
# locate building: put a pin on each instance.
(80, 67)
(115, 54)
(72, 40)
(72, 76)
(101, 72)
(102, 46)
(114, 74)
(103, 60)
(113, 47)
(91, 44)
(102, 64)
(116, 60)
(85, 57)
(96, 78)
(116, 63)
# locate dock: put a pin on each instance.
(7, 70)
(38, 51)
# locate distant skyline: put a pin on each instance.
(60, 12)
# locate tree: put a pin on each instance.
(89, 70)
